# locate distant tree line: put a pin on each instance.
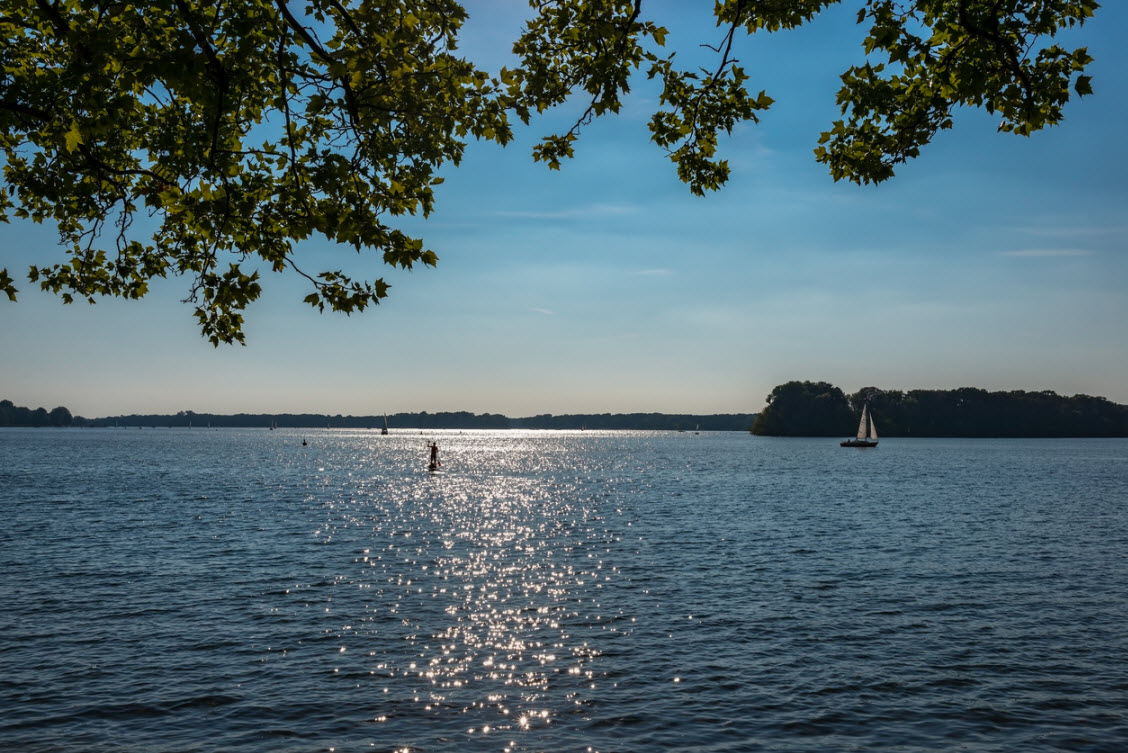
(641, 421)
(821, 409)
(444, 420)
(15, 415)
(793, 409)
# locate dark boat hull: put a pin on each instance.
(858, 443)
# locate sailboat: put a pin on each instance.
(385, 429)
(864, 438)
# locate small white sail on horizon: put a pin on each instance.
(867, 431)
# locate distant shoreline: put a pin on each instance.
(798, 409)
(424, 421)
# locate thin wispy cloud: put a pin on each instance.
(546, 312)
(1074, 231)
(754, 157)
(1045, 253)
(591, 211)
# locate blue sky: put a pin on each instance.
(992, 261)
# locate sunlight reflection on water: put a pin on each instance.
(482, 582)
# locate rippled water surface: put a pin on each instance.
(176, 590)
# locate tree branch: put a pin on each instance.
(217, 70)
(326, 57)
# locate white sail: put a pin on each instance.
(862, 423)
(873, 430)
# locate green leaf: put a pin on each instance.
(7, 286)
(73, 137)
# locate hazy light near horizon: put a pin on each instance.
(991, 261)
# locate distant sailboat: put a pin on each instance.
(867, 431)
(385, 429)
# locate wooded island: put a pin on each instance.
(819, 409)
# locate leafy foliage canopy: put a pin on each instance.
(238, 128)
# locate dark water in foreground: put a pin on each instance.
(174, 590)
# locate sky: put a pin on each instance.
(991, 261)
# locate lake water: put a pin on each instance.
(196, 590)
